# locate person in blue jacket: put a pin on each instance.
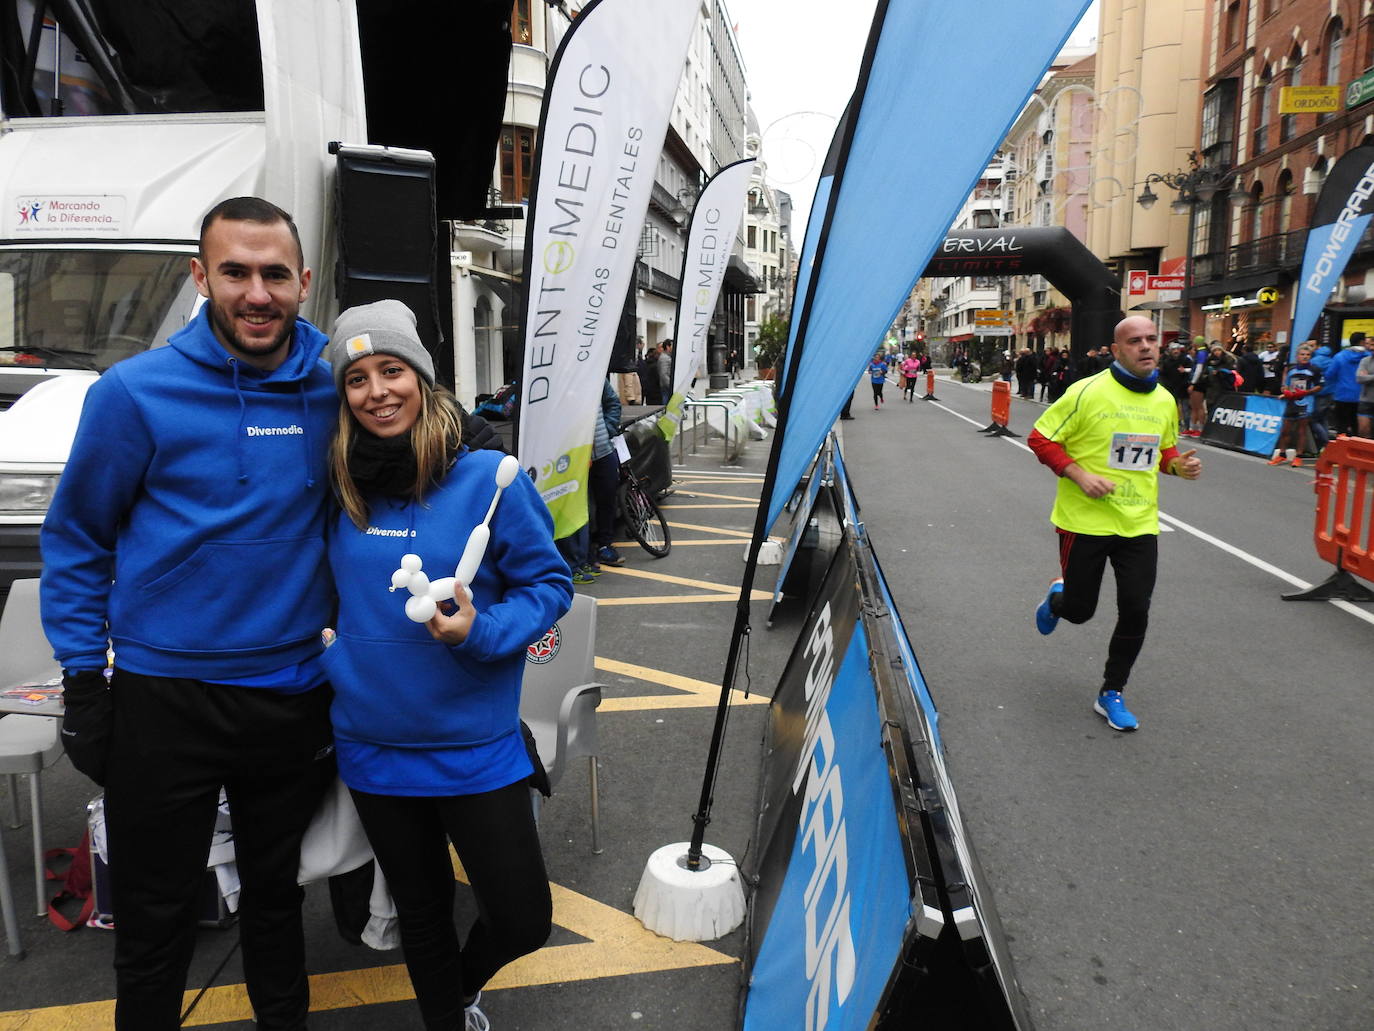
(877, 376)
(426, 715)
(1342, 387)
(188, 533)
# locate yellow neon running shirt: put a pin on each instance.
(1118, 433)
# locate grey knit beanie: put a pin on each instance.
(382, 327)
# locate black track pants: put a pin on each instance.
(176, 741)
(494, 835)
(1134, 560)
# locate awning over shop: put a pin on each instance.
(740, 278)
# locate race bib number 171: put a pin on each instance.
(1136, 451)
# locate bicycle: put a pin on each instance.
(641, 515)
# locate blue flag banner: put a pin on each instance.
(929, 112)
(1342, 215)
(807, 260)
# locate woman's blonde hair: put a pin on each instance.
(434, 438)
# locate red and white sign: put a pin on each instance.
(1164, 282)
(1136, 278)
(1173, 266)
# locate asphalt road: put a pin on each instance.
(1211, 870)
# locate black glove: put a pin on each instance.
(88, 722)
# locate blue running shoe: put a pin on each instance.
(1112, 707)
(1046, 620)
(584, 575)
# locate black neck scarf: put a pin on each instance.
(382, 465)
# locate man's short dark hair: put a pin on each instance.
(1356, 338)
(250, 209)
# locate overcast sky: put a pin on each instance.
(801, 59)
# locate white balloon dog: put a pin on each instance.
(425, 594)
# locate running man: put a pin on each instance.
(1107, 439)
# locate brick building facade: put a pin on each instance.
(1251, 235)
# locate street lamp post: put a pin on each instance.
(1196, 186)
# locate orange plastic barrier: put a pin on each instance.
(1001, 411)
(1344, 533)
(1001, 402)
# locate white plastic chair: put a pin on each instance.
(559, 698)
(28, 744)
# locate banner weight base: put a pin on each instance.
(1339, 584)
(770, 553)
(687, 905)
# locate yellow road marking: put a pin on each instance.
(617, 944)
(698, 693)
(680, 505)
(733, 541)
(743, 534)
(667, 578)
(724, 497)
(719, 481)
(675, 599)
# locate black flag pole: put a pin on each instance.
(837, 159)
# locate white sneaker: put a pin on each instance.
(473, 1018)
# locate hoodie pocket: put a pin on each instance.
(412, 694)
(231, 596)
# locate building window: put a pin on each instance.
(1288, 124)
(1264, 110)
(751, 237)
(1219, 125)
(1202, 230)
(1332, 67)
(1333, 53)
(517, 163)
(1285, 192)
(1257, 212)
(1235, 23)
(521, 25)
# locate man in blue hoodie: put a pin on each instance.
(1342, 388)
(187, 534)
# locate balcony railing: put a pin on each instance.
(651, 279)
(1267, 254)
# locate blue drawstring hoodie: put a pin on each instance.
(197, 483)
(415, 717)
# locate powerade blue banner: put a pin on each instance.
(1246, 422)
(837, 926)
(1342, 215)
(936, 95)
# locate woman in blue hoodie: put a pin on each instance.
(426, 714)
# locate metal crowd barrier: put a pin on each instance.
(698, 408)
